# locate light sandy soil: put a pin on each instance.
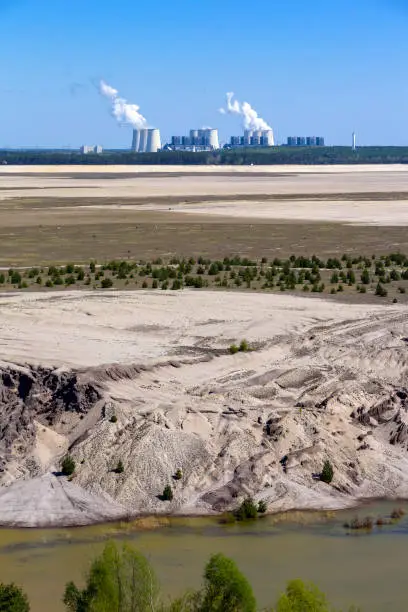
(375, 212)
(323, 381)
(189, 181)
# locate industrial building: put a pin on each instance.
(85, 149)
(205, 139)
(146, 140)
(253, 138)
(305, 141)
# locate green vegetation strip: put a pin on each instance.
(382, 276)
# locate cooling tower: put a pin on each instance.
(247, 136)
(212, 136)
(142, 140)
(153, 143)
(136, 140)
(268, 139)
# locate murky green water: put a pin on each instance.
(369, 570)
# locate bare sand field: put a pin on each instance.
(185, 181)
(57, 214)
(320, 382)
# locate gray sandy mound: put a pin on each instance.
(51, 501)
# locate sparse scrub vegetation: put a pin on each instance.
(357, 275)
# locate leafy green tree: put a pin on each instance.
(118, 580)
(68, 465)
(225, 588)
(301, 597)
(327, 472)
(13, 599)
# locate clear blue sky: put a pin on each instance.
(321, 67)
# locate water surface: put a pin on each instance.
(368, 570)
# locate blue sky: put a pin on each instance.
(322, 67)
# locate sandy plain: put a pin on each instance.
(55, 214)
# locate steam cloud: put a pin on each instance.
(251, 119)
(123, 112)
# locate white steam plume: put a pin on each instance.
(251, 119)
(123, 112)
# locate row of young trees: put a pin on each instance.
(122, 580)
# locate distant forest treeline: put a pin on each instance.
(273, 155)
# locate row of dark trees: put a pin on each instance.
(262, 156)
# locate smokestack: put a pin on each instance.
(354, 141)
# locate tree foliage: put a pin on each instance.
(301, 597)
(327, 472)
(118, 580)
(225, 588)
(13, 599)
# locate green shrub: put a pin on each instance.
(177, 284)
(68, 465)
(244, 346)
(49, 283)
(113, 418)
(327, 472)
(120, 468)
(400, 289)
(233, 349)
(248, 510)
(15, 278)
(107, 283)
(262, 506)
(167, 494)
(178, 475)
(380, 290)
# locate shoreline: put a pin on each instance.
(152, 522)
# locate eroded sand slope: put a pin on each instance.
(325, 380)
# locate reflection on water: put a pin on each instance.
(368, 570)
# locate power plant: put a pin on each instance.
(254, 138)
(205, 139)
(305, 141)
(146, 140)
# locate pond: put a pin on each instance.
(367, 569)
